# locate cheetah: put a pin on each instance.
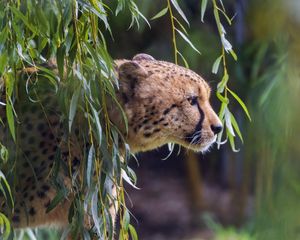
(163, 103)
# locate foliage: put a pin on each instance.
(275, 99)
(29, 234)
(273, 138)
(223, 90)
(226, 233)
(72, 32)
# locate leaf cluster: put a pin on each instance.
(223, 90)
(32, 34)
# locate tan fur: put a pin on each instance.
(164, 85)
(163, 103)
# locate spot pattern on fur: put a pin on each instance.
(154, 95)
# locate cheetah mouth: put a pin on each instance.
(198, 143)
(194, 138)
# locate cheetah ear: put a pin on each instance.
(130, 74)
(143, 56)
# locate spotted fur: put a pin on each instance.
(162, 101)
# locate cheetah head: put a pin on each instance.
(165, 103)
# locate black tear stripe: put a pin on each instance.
(198, 128)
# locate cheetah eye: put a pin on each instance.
(193, 100)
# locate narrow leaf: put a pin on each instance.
(233, 54)
(127, 179)
(231, 141)
(240, 101)
(222, 99)
(5, 227)
(178, 9)
(180, 25)
(183, 59)
(221, 85)
(216, 65)
(98, 124)
(236, 126)
(222, 110)
(187, 40)
(228, 122)
(126, 220)
(160, 13)
(203, 9)
(9, 83)
(19, 15)
(59, 197)
(73, 107)
(89, 167)
(5, 188)
(133, 232)
(94, 208)
(60, 55)
(3, 62)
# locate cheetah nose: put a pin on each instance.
(216, 128)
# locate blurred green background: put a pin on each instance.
(251, 194)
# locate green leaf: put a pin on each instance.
(97, 122)
(178, 9)
(50, 75)
(89, 166)
(59, 197)
(97, 9)
(5, 227)
(3, 153)
(9, 84)
(225, 15)
(94, 209)
(222, 110)
(183, 59)
(43, 23)
(3, 62)
(187, 40)
(5, 189)
(19, 15)
(73, 107)
(222, 99)
(60, 59)
(127, 179)
(219, 138)
(132, 175)
(120, 7)
(133, 233)
(160, 13)
(231, 141)
(233, 54)
(236, 127)
(221, 85)
(216, 65)
(126, 220)
(3, 37)
(203, 9)
(228, 122)
(240, 102)
(180, 25)
(135, 14)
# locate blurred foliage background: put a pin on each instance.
(249, 194)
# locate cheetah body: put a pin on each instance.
(163, 103)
